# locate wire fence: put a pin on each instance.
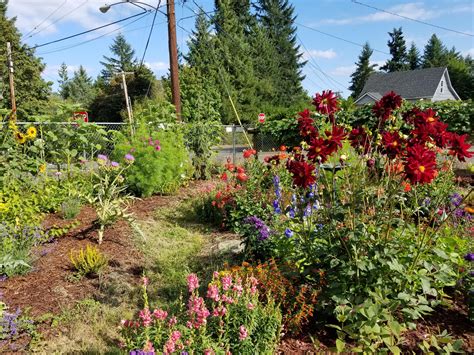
(98, 138)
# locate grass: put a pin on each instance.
(175, 245)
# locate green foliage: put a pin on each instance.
(31, 90)
(362, 72)
(413, 57)
(71, 208)
(87, 262)
(398, 51)
(201, 136)
(161, 160)
(441, 344)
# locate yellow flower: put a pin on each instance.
(12, 125)
(20, 137)
(42, 168)
(31, 132)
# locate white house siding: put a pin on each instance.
(443, 91)
(366, 99)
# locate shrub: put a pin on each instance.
(231, 318)
(88, 262)
(161, 160)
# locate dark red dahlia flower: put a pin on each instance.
(392, 144)
(318, 149)
(384, 107)
(410, 115)
(305, 124)
(420, 164)
(302, 172)
(326, 103)
(428, 116)
(334, 138)
(360, 139)
(458, 147)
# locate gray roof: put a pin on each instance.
(421, 83)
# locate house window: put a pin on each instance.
(441, 83)
(441, 90)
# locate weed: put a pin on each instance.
(88, 262)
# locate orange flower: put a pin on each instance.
(282, 148)
(406, 186)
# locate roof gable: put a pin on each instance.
(421, 83)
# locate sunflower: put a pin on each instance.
(20, 137)
(31, 132)
(42, 168)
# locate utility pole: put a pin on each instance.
(12, 84)
(173, 51)
(127, 99)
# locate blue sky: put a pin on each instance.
(330, 60)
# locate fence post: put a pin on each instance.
(233, 144)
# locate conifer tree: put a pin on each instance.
(277, 18)
(64, 84)
(434, 54)
(32, 92)
(123, 59)
(362, 72)
(81, 87)
(413, 57)
(398, 51)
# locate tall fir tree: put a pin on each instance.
(362, 72)
(398, 51)
(32, 92)
(236, 68)
(81, 87)
(63, 82)
(413, 57)
(123, 59)
(278, 19)
(434, 54)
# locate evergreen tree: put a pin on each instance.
(236, 68)
(32, 92)
(434, 54)
(64, 83)
(398, 51)
(413, 57)
(81, 87)
(461, 73)
(277, 18)
(362, 72)
(123, 59)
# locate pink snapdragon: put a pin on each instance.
(243, 334)
(173, 321)
(193, 282)
(226, 282)
(213, 293)
(197, 311)
(160, 314)
(145, 316)
(250, 306)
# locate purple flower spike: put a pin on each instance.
(469, 257)
(114, 164)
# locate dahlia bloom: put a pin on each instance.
(305, 124)
(303, 173)
(458, 147)
(360, 139)
(392, 144)
(326, 103)
(420, 164)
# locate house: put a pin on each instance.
(431, 84)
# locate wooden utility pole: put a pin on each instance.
(173, 51)
(10, 74)
(127, 100)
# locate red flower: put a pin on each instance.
(305, 124)
(334, 138)
(392, 144)
(410, 115)
(326, 103)
(406, 186)
(420, 164)
(384, 107)
(302, 172)
(242, 177)
(360, 139)
(249, 152)
(426, 117)
(224, 176)
(318, 149)
(458, 147)
(240, 170)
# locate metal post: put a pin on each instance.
(10, 74)
(233, 144)
(173, 52)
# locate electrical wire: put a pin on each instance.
(98, 37)
(88, 31)
(339, 38)
(149, 34)
(47, 17)
(412, 19)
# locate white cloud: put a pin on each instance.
(157, 66)
(314, 53)
(344, 70)
(468, 52)
(414, 10)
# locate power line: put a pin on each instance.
(88, 31)
(149, 34)
(98, 37)
(412, 19)
(47, 17)
(60, 18)
(339, 38)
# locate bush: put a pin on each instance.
(161, 160)
(88, 262)
(234, 317)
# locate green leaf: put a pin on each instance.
(340, 345)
